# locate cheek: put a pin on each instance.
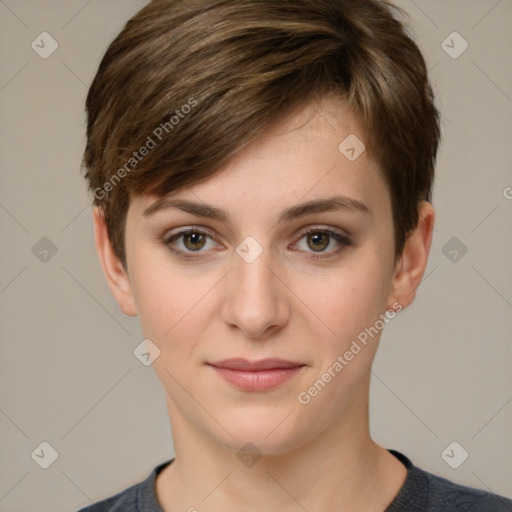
(171, 303)
(346, 302)
(350, 304)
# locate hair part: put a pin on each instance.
(189, 83)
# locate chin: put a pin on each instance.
(263, 430)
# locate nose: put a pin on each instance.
(255, 299)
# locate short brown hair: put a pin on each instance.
(195, 81)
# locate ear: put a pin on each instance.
(413, 261)
(115, 274)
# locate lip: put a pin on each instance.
(261, 375)
(262, 364)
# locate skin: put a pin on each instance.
(285, 304)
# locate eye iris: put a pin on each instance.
(320, 241)
(197, 241)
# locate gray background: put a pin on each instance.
(68, 373)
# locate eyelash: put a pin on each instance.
(343, 240)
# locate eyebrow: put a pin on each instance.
(330, 204)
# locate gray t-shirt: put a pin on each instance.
(421, 492)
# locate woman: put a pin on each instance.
(262, 177)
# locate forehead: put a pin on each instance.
(315, 151)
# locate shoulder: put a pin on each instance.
(140, 497)
(446, 495)
(125, 501)
(424, 492)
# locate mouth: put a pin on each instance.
(261, 375)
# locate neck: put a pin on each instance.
(341, 469)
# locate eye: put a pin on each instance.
(319, 240)
(188, 241)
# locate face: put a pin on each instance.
(258, 284)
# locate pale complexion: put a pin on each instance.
(285, 304)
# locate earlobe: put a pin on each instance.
(115, 274)
(413, 261)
